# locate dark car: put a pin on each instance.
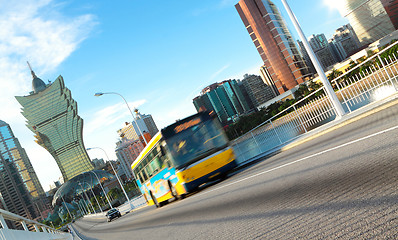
(113, 213)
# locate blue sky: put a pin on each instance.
(157, 54)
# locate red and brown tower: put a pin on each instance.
(282, 61)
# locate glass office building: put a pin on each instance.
(371, 19)
(12, 152)
(225, 99)
(51, 115)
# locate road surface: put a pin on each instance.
(342, 184)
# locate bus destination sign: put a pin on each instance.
(187, 125)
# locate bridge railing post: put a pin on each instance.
(36, 228)
(24, 226)
(3, 222)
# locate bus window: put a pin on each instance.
(155, 164)
(140, 177)
(144, 175)
(149, 170)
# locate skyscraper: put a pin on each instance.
(345, 42)
(258, 91)
(13, 193)
(225, 99)
(306, 57)
(371, 19)
(131, 143)
(127, 151)
(145, 123)
(51, 115)
(274, 43)
(12, 152)
(322, 50)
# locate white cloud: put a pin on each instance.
(210, 80)
(334, 4)
(36, 31)
(110, 115)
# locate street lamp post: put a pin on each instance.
(138, 127)
(91, 188)
(117, 177)
(84, 208)
(88, 199)
(328, 88)
(83, 205)
(103, 190)
(70, 215)
(80, 208)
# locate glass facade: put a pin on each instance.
(52, 116)
(12, 152)
(274, 43)
(226, 99)
(202, 103)
(322, 50)
(371, 19)
(82, 182)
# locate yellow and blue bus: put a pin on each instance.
(181, 157)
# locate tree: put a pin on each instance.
(334, 74)
(301, 92)
(114, 193)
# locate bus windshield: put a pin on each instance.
(196, 142)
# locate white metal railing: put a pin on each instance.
(378, 80)
(41, 231)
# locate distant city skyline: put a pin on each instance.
(158, 55)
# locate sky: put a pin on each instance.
(157, 54)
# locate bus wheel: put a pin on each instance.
(155, 201)
(173, 190)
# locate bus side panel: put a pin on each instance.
(158, 185)
(144, 192)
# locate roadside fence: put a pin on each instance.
(370, 81)
(32, 230)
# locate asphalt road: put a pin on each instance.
(340, 185)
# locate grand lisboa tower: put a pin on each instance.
(51, 115)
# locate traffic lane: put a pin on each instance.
(320, 192)
(86, 224)
(345, 186)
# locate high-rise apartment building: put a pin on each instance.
(274, 43)
(51, 115)
(12, 151)
(131, 142)
(145, 123)
(345, 42)
(322, 50)
(258, 91)
(127, 151)
(371, 19)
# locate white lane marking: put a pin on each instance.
(301, 159)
